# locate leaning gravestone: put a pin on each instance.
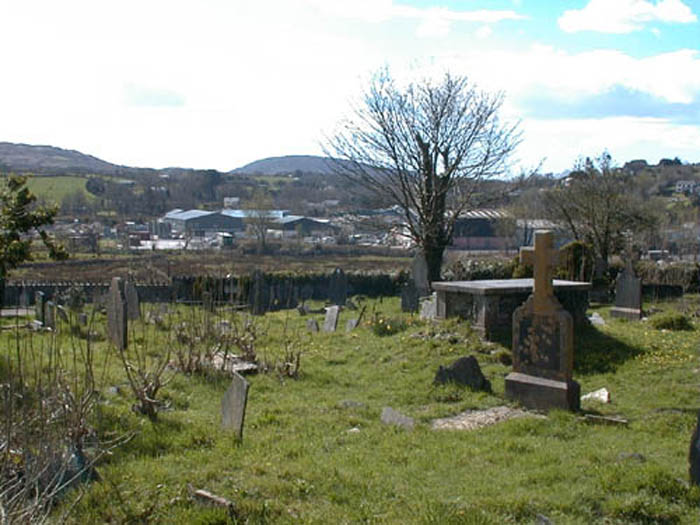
(331, 321)
(419, 272)
(39, 305)
(338, 289)
(233, 405)
(50, 315)
(543, 337)
(117, 322)
(628, 295)
(133, 308)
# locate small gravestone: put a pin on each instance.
(62, 313)
(83, 318)
(409, 297)
(50, 315)
(392, 417)
(133, 307)
(207, 301)
(419, 272)
(543, 339)
(338, 289)
(330, 323)
(312, 325)
(354, 323)
(465, 371)
(428, 307)
(233, 405)
(694, 455)
(628, 295)
(117, 322)
(39, 304)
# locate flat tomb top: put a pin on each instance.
(504, 286)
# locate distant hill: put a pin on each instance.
(50, 160)
(287, 164)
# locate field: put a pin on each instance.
(315, 451)
(54, 189)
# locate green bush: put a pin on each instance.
(383, 326)
(671, 321)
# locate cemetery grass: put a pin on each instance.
(315, 451)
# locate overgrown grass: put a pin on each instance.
(299, 461)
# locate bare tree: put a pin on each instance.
(598, 205)
(259, 216)
(424, 147)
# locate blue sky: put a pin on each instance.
(217, 84)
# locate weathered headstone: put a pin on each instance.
(233, 405)
(350, 325)
(330, 323)
(465, 371)
(409, 297)
(117, 323)
(628, 295)
(133, 307)
(39, 305)
(312, 325)
(694, 454)
(338, 288)
(83, 318)
(419, 272)
(543, 350)
(50, 315)
(428, 307)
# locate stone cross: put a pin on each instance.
(544, 257)
(543, 336)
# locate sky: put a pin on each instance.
(218, 84)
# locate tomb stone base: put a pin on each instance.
(543, 394)
(632, 314)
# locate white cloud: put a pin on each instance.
(563, 141)
(483, 32)
(432, 21)
(673, 77)
(624, 16)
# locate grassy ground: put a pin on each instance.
(299, 462)
(54, 189)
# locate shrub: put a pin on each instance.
(671, 321)
(382, 326)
